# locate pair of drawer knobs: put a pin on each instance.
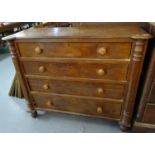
(100, 51)
(99, 109)
(99, 90)
(99, 71)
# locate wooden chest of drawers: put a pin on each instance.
(91, 71)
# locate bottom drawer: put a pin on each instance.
(88, 106)
(149, 115)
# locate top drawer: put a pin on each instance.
(75, 50)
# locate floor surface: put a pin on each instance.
(14, 117)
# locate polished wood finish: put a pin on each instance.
(105, 31)
(85, 70)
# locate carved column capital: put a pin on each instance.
(138, 50)
(12, 48)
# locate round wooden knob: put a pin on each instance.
(101, 51)
(99, 110)
(49, 103)
(46, 86)
(38, 50)
(100, 72)
(41, 69)
(100, 91)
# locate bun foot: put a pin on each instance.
(34, 114)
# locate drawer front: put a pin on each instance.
(79, 70)
(78, 105)
(96, 89)
(70, 50)
(149, 114)
(152, 94)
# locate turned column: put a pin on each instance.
(20, 73)
(137, 58)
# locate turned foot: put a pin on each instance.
(34, 114)
(124, 128)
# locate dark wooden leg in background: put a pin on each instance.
(34, 113)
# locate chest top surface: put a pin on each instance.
(106, 31)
